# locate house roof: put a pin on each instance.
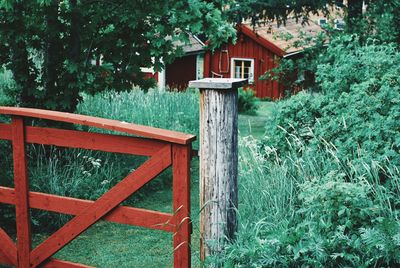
(194, 46)
(281, 39)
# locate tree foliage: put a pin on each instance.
(50, 46)
(378, 23)
(277, 10)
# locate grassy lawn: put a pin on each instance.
(108, 244)
(254, 125)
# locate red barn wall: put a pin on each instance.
(245, 47)
(180, 72)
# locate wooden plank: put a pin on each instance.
(8, 250)
(181, 156)
(102, 206)
(5, 132)
(114, 125)
(55, 263)
(21, 183)
(87, 140)
(218, 83)
(73, 206)
(93, 141)
(5, 261)
(262, 41)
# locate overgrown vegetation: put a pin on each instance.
(307, 211)
(322, 188)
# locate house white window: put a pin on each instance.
(242, 68)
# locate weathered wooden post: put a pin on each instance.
(218, 161)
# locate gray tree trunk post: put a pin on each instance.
(218, 161)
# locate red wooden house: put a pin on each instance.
(176, 75)
(256, 51)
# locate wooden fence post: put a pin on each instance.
(218, 161)
(21, 183)
(181, 204)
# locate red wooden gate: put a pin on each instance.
(164, 147)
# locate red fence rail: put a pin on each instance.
(165, 148)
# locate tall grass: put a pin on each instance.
(177, 111)
(313, 210)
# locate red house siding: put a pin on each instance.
(247, 47)
(180, 72)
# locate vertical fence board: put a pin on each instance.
(22, 189)
(181, 204)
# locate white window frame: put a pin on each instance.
(251, 71)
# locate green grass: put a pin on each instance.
(254, 125)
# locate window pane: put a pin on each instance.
(242, 69)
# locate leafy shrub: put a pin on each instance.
(7, 88)
(247, 102)
(358, 110)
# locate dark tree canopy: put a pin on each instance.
(280, 10)
(50, 45)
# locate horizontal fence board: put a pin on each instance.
(87, 140)
(114, 125)
(55, 263)
(73, 206)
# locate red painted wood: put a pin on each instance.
(263, 42)
(87, 140)
(145, 131)
(5, 132)
(102, 206)
(181, 203)
(93, 141)
(5, 261)
(55, 263)
(8, 250)
(180, 72)
(88, 212)
(251, 46)
(21, 183)
(73, 206)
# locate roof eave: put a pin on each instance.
(262, 41)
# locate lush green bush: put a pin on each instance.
(7, 87)
(247, 102)
(358, 110)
